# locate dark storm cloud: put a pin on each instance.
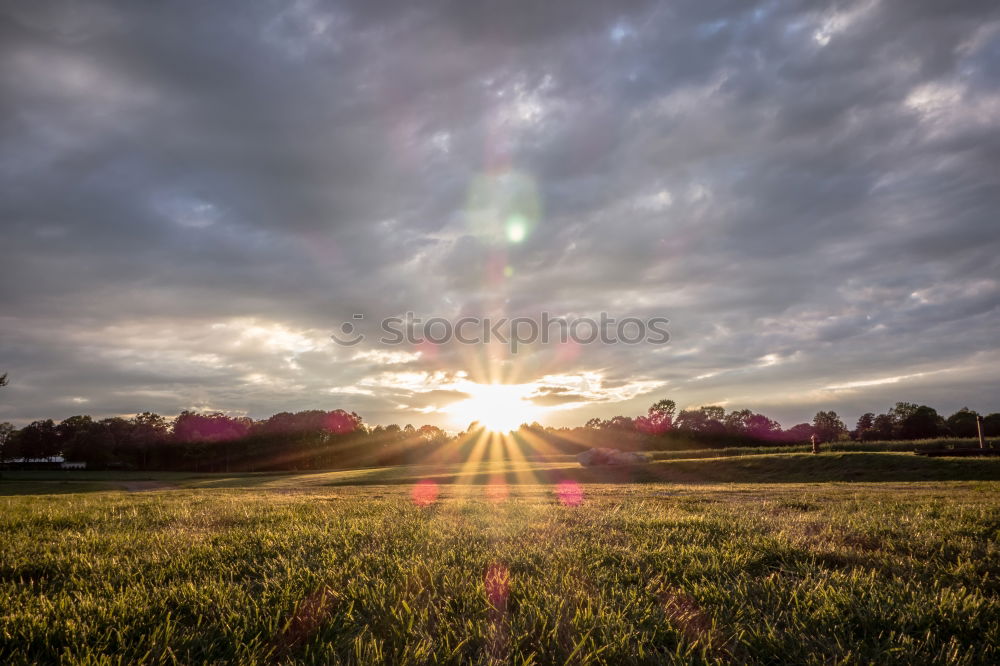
(192, 196)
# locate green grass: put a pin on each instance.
(696, 450)
(773, 468)
(296, 568)
(756, 468)
(892, 446)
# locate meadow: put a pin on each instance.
(846, 557)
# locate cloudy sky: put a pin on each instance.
(194, 195)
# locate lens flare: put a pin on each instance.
(497, 490)
(570, 493)
(517, 228)
(425, 493)
(502, 206)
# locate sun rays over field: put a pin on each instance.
(499, 408)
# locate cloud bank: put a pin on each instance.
(193, 196)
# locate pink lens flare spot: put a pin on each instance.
(567, 352)
(497, 490)
(426, 348)
(497, 584)
(425, 493)
(570, 493)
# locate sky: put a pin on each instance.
(194, 196)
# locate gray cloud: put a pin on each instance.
(193, 196)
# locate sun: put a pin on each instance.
(497, 407)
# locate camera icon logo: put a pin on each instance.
(347, 336)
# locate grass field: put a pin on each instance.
(857, 557)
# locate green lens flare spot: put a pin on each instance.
(517, 228)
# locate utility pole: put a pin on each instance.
(979, 428)
(3, 446)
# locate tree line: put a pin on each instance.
(214, 441)
(318, 439)
(713, 426)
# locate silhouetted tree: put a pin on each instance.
(84, 440)
(921, 423)
(702, 420)
(340, 422)
(432, 434)
(6, 442)
(658, 418)
(621, 423)
(799, 433)
(865, 423)
(761, 427)
(828, 426)
(39, 439)
(714, 412)
(210, 427)
(736, 421)
(991, 425)
(149, 432)
(884, 427)
(901, 411)
(663, 408)
(963, 423)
